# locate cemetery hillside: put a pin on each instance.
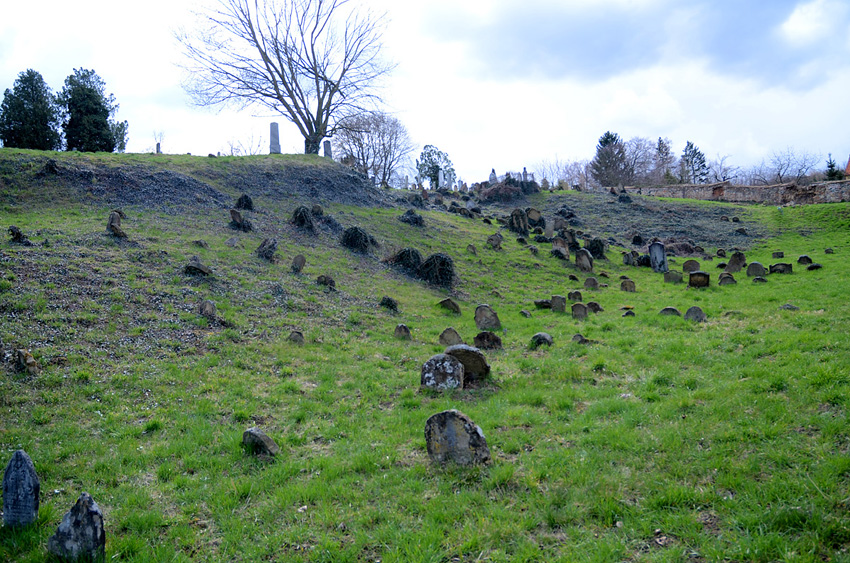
(266, 358)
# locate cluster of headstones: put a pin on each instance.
(80, 535)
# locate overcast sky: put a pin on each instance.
(501, 83)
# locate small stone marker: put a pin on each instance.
(574, 296)
(670, 311)
(207, 309)
(543, 303)
(781, 268)
(778, 254)
(698, 279)
(594, 307)
(267, 249)
(658, 258)
(559, 304)
(486, 318)
(113, 224)
(442, 372)
(580, 339)
(756, 269)
(257, 442)
(298, 264)
(21, 487)
(194, 267)
(721, 253)
(326, 281)
(629, 313)
(789, 307)
(628, 286)
(759, 279)
(475, 366)
(736, 263)
(829, 251)
(690, 266)
(389, 303)
(726, 279)
(579, 311)
(540, 339)
(80, 535)
(591, 283)
(451, 436)
(804, 260)
(572, 277)
(239, 223)
(495, 241)
(402, 332)
(26, 362)
(450, 337)
(245, 202)
(584, 260)
(471, 249)
(695, 314)
(450, 305)
(487, 340)
(296, 337)
(814, 266)
(526, 314)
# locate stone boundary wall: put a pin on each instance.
(779, 194)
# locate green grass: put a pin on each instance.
(663, 441)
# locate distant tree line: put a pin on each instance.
(79, 118)
(641, 162)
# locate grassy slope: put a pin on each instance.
(664, 441)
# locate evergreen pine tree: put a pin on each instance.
(87, 111)
(832, 171)
(610, 167)
(29, 118)
(693, 168)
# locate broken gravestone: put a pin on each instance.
(267, 249)
(258, 443)
(781, 268)
(486, 318)
(80, 535)
(658, 258)
(21, 487)
(574, 296)
(487, 340)
(389, 303)
(194, 267)
(239, 223)
(303, 218)
(26, 362)
(442, 372)
(541, 339)
(113, 224)
(245, 202)
(450, 305)
(451, 436)
(475, 366)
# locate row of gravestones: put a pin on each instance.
(80, 535)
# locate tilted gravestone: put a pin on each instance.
(736, 263)
(21, 487)
(450, 337)
(257, 442)
(451, 436)
(658, 257)
(80, 535)
(584, 260)
(475, 366)
(594, 307)
(450, 305)
(442, 372)
(207, 309)
(486, 318)
(113, 224)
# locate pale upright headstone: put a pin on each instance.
(441, 179)
(658, 257)
(20, 491)
(80, 535)
(326, 146)
(524, 174)
(493, 178)
(274, 134)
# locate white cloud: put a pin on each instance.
(812, 21)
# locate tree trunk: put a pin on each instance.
(311, 145)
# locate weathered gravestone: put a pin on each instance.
(267, 249)
(80, 535)
(695, 314)
(699, 279)
(245, 202)
(207, 309)
(778, 254)
(450, 305)
(487, 340)
(327, 282)
(721, 253)
(594, 307)
(670, 311)
(541, 339)
(829, 251)
(451, 436)
(298, 264)
(584, 260)
(450, 337)
(756, 269)
(596, 247)
(690, 266)
(486, 318)
(442, 372)
(814, 266)
(736, 263)
(574, 296)
(21, 487)
(239, 223)
(389, 303)
(274, 138)
(591, 283)
(759, 279)
(113, 224)
(495, 241)
(518, 222)
(781, 268)
(194, 267)
(726, 279)
(296, 337)
(658, 257)
(471, 249)
(579, 311)
(543, 303)
(257, 442)
(558, 303)
(26, 362)
(804, 260)
(475, 366)
(402, 332)
(628, 285)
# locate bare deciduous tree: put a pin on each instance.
(310, 60)
(377, 143)
(720, 171)
(784, 166)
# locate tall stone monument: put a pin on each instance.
(326, 146)
(274, 134)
